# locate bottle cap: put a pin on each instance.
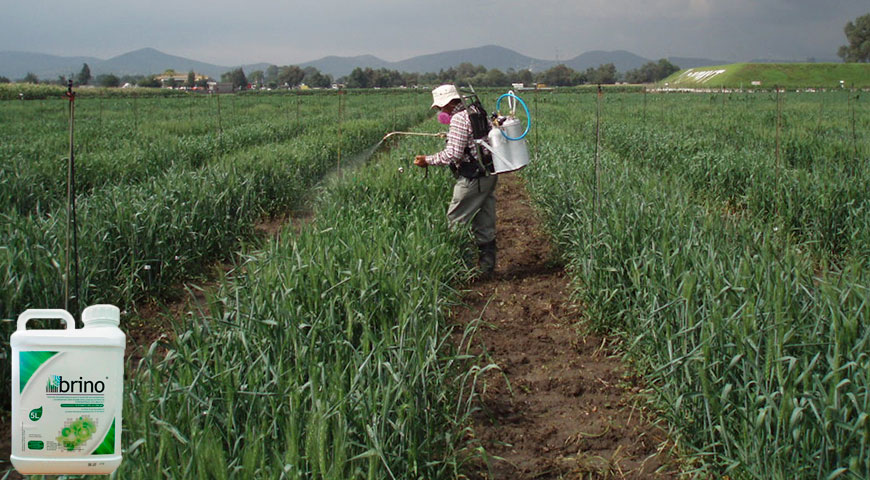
(101, 315)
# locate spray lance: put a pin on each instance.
(418, 134)
(415, 134)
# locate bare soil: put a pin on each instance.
(6, 445)
(561, 404)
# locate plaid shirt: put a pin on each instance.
(458, 138)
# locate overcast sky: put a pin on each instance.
(237, 32)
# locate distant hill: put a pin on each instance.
(16, 65)
(779, 60)
(339, 66)
(490, 56)
(146, 61)
(689, 62)
(769, 75)
(622, 60)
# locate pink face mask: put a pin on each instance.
(444, 117)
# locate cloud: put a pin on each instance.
(229, 32)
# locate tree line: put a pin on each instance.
(292, 76)
(464, 73)
(288, 76)
(84, 77)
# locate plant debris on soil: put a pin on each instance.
(561, 403)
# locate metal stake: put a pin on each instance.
(71, 299)
(597, 154)
(340, 114)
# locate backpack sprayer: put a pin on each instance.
(506, 139)
(500, 140)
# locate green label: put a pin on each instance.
(28, 362)
(107, 446)
(35, 445)
(36, 414)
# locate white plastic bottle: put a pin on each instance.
(67, 393)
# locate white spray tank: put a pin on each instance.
(67, 393)
(507, 139)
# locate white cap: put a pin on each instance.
(443, 95)
(101, 316)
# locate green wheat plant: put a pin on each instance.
(750, 321)
(325, 355)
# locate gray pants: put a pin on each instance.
(474, 201)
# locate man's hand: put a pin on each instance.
(420, 161)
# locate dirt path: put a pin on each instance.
(562, 405)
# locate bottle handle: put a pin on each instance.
(46, 313)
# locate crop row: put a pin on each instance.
(755, 346)
(821, 199)
(113, 147)
(140, 239)
(335, 359)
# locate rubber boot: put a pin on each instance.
(486, 259)
(468, 257)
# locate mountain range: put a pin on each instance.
(146, 61)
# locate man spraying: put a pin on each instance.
(474, 192)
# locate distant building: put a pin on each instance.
(220, 87)
(177, 79)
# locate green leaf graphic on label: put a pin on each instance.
(107, 446)
(28, 362)
(36, 414)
